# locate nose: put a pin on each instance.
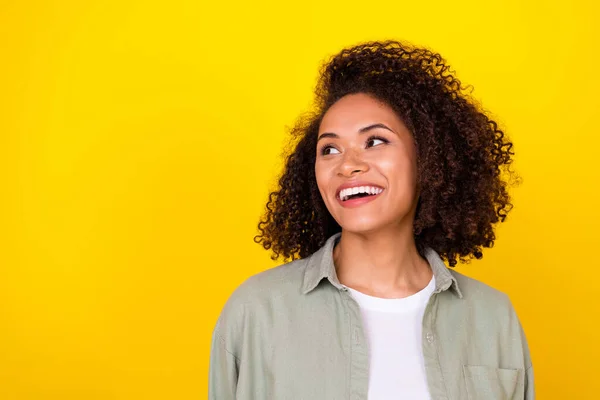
(351, 164)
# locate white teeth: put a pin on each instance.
(345, 193)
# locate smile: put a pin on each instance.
(358, 192)
(359, 195)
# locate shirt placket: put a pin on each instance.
(359, 354)
(433, 369)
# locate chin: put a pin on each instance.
(362, 226)
(371, 224)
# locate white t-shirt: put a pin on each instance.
(394, 332)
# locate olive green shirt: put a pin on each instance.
(295, 332)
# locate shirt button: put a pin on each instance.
(429, 337)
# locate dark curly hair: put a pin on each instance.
(461, 155)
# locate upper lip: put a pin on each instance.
(355, 184)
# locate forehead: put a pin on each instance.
(353, 111)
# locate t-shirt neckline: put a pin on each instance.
(416, 300)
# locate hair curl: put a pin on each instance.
(461, 154)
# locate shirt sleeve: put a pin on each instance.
(223, 370)
(529, 388)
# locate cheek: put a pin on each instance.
(400, 169)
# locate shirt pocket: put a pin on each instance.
(491, 383)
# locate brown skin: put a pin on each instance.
(377, 254)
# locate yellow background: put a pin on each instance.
(138, 140)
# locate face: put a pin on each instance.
(366, 165)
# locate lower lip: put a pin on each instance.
(352, 203)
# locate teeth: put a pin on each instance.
(372, 190)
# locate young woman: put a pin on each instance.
(397, 171)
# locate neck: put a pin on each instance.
(384, 264)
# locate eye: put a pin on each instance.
(376, 141)
(328, 149)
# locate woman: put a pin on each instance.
(396, 171)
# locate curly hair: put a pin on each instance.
(461, 155)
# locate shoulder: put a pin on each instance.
(485, 304)
(260, 291)
(474, 289)
(270, 283)
(480, 295)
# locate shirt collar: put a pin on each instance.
(320, 266)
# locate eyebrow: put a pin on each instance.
(361, 130)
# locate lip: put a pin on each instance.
(358, 201)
